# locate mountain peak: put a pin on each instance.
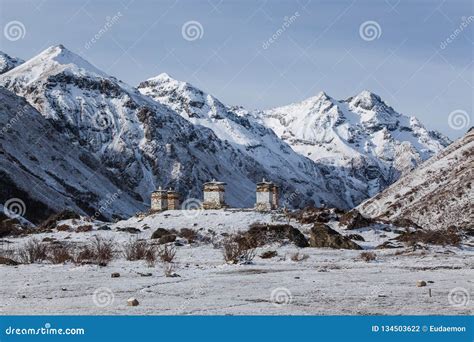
(8, 62)
(53, 60)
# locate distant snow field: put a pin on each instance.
(325, 282)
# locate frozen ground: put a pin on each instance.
(328, 282)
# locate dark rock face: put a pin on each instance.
(322, 235)
(268, 233)
(353, 220)
(167, 239)
(160, 232)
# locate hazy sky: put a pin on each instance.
(323, 46)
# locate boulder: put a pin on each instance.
(160, 232)
(420, 283)
(130, 230)
(322, 235)
(166, 239)
(264, 234)
(132, 302)
(356, 237)
(353, 220)
(115, 275)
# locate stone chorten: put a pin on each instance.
(267, 196)
(159, 200)
(173, 200)
(214, 195)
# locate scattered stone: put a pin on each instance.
(130, 230)
(145, 274)
(63, 289)
(104, 227)
(8, 261)
(132, 302)
(48, 239)
(420, 283)
(322, 235)
(115, 275)
(388, 245)
(51, 221)
(263, 234)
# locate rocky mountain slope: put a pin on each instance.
(363, 135)
(233, 125)
(7, 62)
(436, 195)
(147, 144)
(43, 172)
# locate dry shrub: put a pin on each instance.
(140, 250)
(443, 237)
(169, 269)
(239, 249)
(63, 228)
(32, 251)
(60, 254)
(100, 251)
(167, 252)
(299, 257)
(84, 228)
(268, 254)
(368, 256)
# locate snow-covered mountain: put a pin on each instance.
(147, 144)
(436, 195)
(362, 134)
(44, 170)
(7, 62)
(234, 125)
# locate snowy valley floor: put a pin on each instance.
(327, 282)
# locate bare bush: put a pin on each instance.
(299, 257)
(239, 249)
(135, 250)
(368, 256)
(140, 250)
(167, 252)
(60, 254)
(32, 251)
(100, 251)
(169, 269)
(188, 234)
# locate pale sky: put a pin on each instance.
(323, 47)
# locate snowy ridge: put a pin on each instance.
(436, 195)
(147, 144)
(7, 62)
(362, 134)
(48, 173)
